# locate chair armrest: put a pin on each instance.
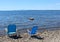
(28, 31)
(6, 30)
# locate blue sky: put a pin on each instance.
(29, 4)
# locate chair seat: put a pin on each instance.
(11, 32)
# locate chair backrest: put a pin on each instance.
(34, 30)
(11, 28)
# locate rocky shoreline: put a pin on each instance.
(49, 36)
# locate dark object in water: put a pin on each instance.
(31, 18)
(37, 37)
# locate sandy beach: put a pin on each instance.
(49, 36)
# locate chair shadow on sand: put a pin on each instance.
(37, 37)
(15, 37)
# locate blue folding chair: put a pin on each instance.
(33, 31)
(11, 29)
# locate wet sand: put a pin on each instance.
(49, 36)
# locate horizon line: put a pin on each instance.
(18, 10)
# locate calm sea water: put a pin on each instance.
(42, 18)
